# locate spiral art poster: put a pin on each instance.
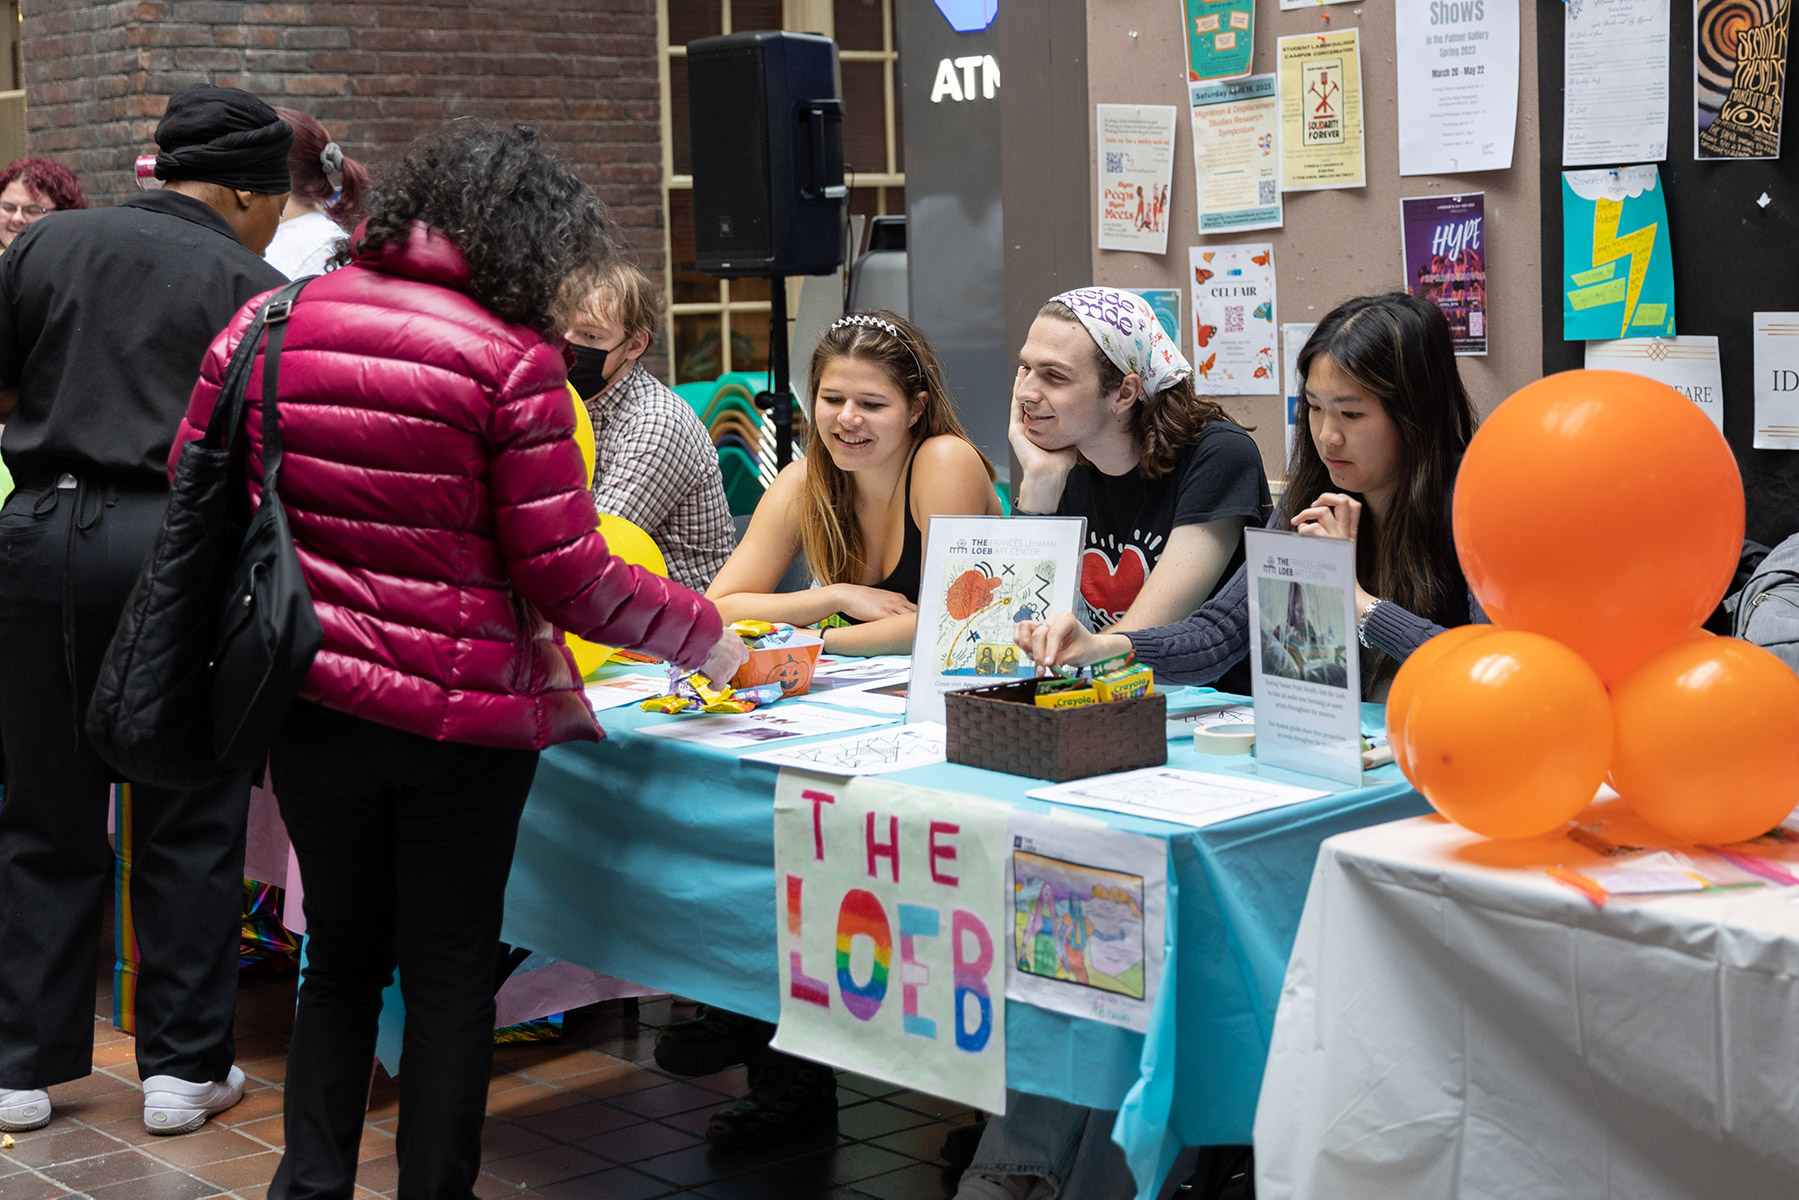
(1739, 77)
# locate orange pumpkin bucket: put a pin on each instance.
(790, 664)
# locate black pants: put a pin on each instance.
(404, 846)
(55, 862)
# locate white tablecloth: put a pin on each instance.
(1450, 1028)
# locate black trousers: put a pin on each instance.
(55, 861)
(404, 846)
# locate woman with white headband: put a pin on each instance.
(326, 201)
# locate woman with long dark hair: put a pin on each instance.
(329, 188)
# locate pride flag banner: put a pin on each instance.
(894, 935)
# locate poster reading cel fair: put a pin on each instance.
(1233, 320)
(1236, 154)
(1136, 165)
(1321, 111)
(1458, 85)
(1304, 666)
(892, 908)
(982, 575)
(1446, 261)
(1617, 264)
(1220, 38)
(1777, 381)
(1739, 77)
(1689, 364)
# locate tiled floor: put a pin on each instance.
(584, 1118)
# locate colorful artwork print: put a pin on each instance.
(1446, 262)
(982, 601)
(1078, 924)
(1302, 631)
(1739, 77)
(1617, 263)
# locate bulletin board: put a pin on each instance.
(1732, 258)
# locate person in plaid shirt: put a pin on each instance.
(654, 464)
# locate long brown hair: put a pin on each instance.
(830, 535)
(1398, 347)
(1166, 424)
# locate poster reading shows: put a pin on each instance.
(1220, 38)
(1777, 381)
(891, 902)
(1458, 85)
(1236, 154)
(1233, 320)
(1689, 364)
(1617, 265)
(1446, 262)
(1321, 111)
(1739, 77)
(1136, 165)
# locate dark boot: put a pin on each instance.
(789, 1098)
(711, 1042)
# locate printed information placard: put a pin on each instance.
(1445, 249)
(1615, 61)
(1136, 165)
(1458, 85)
(1777, 381)
(1236, 154)
(1689, 364)
(1233, 320)
(895, 933)
(1321, 111)
(1221, 38)
(1293, 340)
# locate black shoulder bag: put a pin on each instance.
(219, 630)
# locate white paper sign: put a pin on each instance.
(1689, 364)
(1233, 320)
(1088, 920)
(1615, 103)
(1777, 381)
(1293, 340)
(1196, 798)
(1458, 85)
(1304, 661)
(1136, 165)
(894, 933)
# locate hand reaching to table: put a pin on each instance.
(1062, 641)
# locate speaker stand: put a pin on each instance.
(778, 400)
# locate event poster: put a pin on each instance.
(1166, 304)
(1089, 918)
(1293, 340)
(1233, 320)
(892, 917)
(1615, 61)
(1617, 266)
(1458, 85)
(1739, 77)
(1236, 154)
(1321, 111)
(1777, 381)
(1136, 165)
(1445, 250)
(981, 576)
(1304, 665)
(1220, 38)
(1689, 364)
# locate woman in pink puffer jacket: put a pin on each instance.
(439, 507)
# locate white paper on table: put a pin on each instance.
(1647, 875)
(1195, 798)
(852, 674)
(1182, 725)
(883, 700)
(626, 689)
(1234, 320)
(873, 753)
(1236, 154)
(1615, 62)
(1689, 364)
(1777, 381)
(1090, 909)
(1458, 85)
(1135, 166)
(1293, 339)
(743, 731)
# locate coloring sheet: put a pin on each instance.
(746, 731)
(875, 752)
(1195, 798)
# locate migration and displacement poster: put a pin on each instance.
(1136, 165)
(1321, 111)
(1220, 38)
(1233, 320)
(1617, 264)
(1236, 154)
(1739, 77)
(1446, 261)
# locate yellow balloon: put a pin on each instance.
(627, 541)
(584, 433)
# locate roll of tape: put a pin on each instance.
(1230, 738)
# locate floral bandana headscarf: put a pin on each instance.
(1128, 332)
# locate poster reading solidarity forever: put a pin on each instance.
(1220, 38)
(1233, 320)
(1321, 111)
(1617, 265)
(1236, 154)
(1458, 85)
(1739, 77)
(1446, 262)
(1136, 164)
(894, 933)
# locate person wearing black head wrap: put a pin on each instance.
(229, 149)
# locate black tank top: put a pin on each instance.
(907, 572)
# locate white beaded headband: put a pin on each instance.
(870, 321)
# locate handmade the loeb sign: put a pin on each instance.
(893, 934)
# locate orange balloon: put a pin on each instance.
(1603, 510)
(1509, 734)
(1405, 684)
(1708, 740)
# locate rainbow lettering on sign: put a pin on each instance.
(861, 915)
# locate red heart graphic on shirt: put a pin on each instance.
(1110, 588)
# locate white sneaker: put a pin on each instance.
(23, 1108)
(174, 1105)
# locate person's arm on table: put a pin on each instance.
(1185, 574)
(1194, 651)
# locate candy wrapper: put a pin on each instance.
(695, 693)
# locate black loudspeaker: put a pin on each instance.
(766, 119)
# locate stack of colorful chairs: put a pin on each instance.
(742, 433)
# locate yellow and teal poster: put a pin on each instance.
(1617, 264)
(1220, 38)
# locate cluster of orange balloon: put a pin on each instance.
(1599, 520)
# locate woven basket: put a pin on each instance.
(1002, 729)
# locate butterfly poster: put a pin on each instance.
(1234, 320)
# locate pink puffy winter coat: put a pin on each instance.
(437, 501)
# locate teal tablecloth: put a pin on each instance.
(653, 860)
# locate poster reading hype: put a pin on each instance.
(1446, 262)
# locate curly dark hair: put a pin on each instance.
(534, 235)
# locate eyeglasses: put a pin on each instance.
(33, 211)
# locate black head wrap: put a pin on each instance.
(225, 136)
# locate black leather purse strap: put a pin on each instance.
(228, 410)
(274, 315)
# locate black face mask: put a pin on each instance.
(589, 372)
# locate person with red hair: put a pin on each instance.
(33, 188)
(325, 204)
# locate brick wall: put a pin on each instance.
(377, 74)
